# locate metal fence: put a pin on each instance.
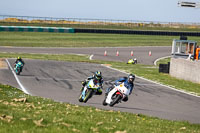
(93, 23)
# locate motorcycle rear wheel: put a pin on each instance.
(116, 100)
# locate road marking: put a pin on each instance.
(155, 62)
(18, 81)
(182, 91)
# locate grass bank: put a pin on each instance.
(22, 113)
(38, 39)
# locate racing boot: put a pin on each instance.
(21, 69)
(125, 99)
(83, 83)
(82, 89)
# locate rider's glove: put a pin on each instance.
(117, 83)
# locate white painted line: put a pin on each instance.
(91, 56)
(155, 62)
(182, 91)
(18, 81)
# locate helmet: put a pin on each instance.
(19, 58)
(97, 75)
(131, 78)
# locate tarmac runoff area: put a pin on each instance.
(3, 64)
(63, 84)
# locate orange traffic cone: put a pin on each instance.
(117, 54)
(105, 53)
(150, 53)
(131, 53)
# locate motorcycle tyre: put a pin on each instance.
(116, 100)
(80, 98)
(18, 71)
(88, 95)
(104, 102)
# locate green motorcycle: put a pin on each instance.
(18, 67)
(89, 90)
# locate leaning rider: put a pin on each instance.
(132, 61)
(128, 83)
(97, 77)
(19, 59)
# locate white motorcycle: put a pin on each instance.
(116, 95)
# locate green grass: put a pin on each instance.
(66, 57)
(21, 113)
(163, 61)
(38, 39)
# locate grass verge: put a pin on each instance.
(23, 113)
(38, 39)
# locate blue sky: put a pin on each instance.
(142, 10)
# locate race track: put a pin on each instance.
(141, 53)
(61, 81)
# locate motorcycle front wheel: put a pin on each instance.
(88, 95)
(18, 71)
(104, 102)
(80, 98)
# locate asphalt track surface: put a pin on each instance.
(43, 78)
